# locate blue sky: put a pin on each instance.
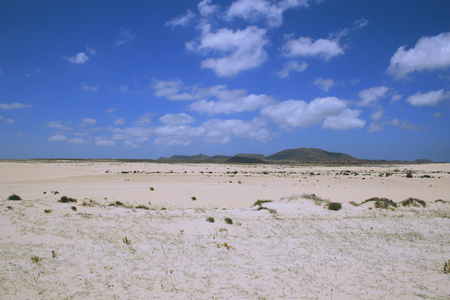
(144, 79)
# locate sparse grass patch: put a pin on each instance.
(228, 221)
(126, 241)
(90, 203)
(317, 200)
(334, 206)
(35, 259)
(225, 245)
(210, 220)
(381, 202)
(142, 207)
(14, 197)
(413, 202)
(47, 211)
(65, 199)
(260, 202)
(447, 267)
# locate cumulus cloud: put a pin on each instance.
(79, 58)
(270, 11)
(213, 131)
(299, 113)
(89, 88)
(133, 134)
(125, 37)
(371, 96)
(57, 138)
(324, 84)
(88, 121)
(404, 125)
(305, 46)
(211, 100)
(292, 66)
(120, 121)
(3, 119)
(205, 8)
(430, 98)
(429, 53)
(102, 142)
(182, 20)
(57, 125)
(233, 51)
(16, 105)
(144, 120)
(176, 119)
(77, 141)
(348, 119)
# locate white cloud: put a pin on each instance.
(270, 11)
(171, 90)
(111, 110)
(123, 88)
(299, 113)
(130, 144)
(238, 104)
(134, 134)
(171, 135)
(57, 138)
(348, 119)
(79, 58)
(176, 119)
(10, 121)
(437, 114)
(371, 96)
(292, 66)
(212, 100)
(430, 98)
(324, 84)
(16, 105)
(305, 46)
(125, 36)
(105, 143)
(377, 114)
(234, 51)
(429, 53)
(88, 121)
(86, 87)
(120, 121)
(143, 121)
(58, 125)
(402, 125)
(77, 141)
(205, 8)
(182, 20)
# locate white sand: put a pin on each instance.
(297, 250)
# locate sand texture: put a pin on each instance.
(193, 231)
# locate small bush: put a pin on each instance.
(14, 197)
(193, 198)
(126, 241)
(65, 199)
(142, 207)
(35, 259)
(152, 189)
(74, 208)
(447, 267)
(47, 211)
(409, 175)
(229, 221)
(210, 219)
(413, 202)
(260, 202)
(334, 206)
(381, 202)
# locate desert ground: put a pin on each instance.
(136, 230)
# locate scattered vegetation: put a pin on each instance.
(413, 202)
(142, 207)
(90, 203)
(229, 221)
(261, 202)
(47, 211)
(53, 253)
(65, 199)
(14, 197)
(447, 267)
(334, 206)
(210, 220)
(225, 245)
(74, 208)
(317, 200)
(381, 202)
(126, 241)
(35, 259)
(193, 198)
(409, 175)
(152, 188)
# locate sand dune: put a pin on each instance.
(159, 244)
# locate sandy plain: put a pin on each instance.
(140, 231)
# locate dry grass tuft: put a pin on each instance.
(413, 202)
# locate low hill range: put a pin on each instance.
(300, 155)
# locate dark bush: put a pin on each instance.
(413, 202)
(229, 221)
(334, 206)
(260, 202)
(14, 197)
(65, 199)
(210, 219)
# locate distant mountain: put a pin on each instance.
(311, 155)
(245, 160)
(257, 156)
(198, 157)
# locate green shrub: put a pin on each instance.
(381, 202)
(413, 202)
(142, 207)
(193, 198)
(210, 219)
(229, 221)
(152, 189)
(74, 208)
(65, 199)
(409, 175)
(334, 206)
(260, 202)
(14, 197)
